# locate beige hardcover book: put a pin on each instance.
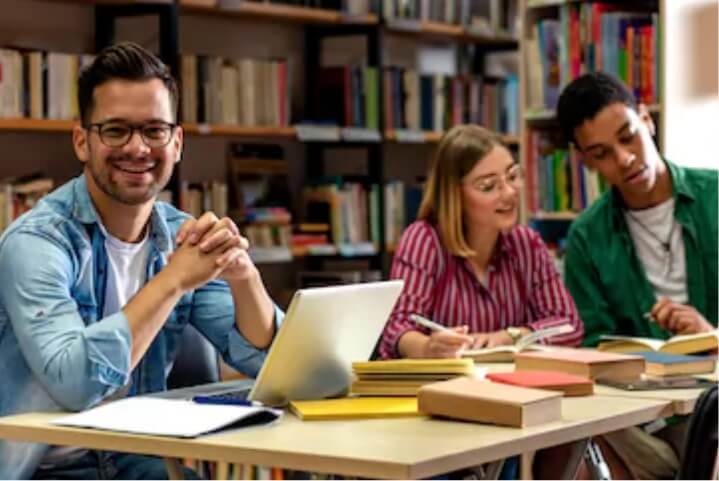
(470, 399)
(583, 362)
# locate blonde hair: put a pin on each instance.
(459, 151)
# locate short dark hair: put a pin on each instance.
(586, 96)
(125, 61)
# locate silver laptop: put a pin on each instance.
(325, 329)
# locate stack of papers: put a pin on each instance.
(168, 417)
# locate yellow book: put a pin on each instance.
(686, 344)
(355, 408)
(415, 366)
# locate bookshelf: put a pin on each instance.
(314, 22)
(574, 37)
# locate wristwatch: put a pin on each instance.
(515, 333)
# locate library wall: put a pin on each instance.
(691, 87)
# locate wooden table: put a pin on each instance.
(378, 448)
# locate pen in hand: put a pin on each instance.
(424, 322)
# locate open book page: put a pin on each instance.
(167, 417)
(528, 342)
(681, 344)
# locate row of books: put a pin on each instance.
(347, 96)
(246, 92)
(198, 198)
(17, 196)
(488, 17)
(590, 37)
(39, 85)
(555, 179)
(352, 210)
(436, 102)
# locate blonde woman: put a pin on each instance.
(465, 262)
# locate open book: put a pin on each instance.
(168, 417)
(686, 344)
(525, 343)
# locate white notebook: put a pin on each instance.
(168, 417)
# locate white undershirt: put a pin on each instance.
(126, 275)
(666, 271)
(126, 271)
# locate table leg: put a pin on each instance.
(174, 468)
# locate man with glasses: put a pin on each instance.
(99, 279)
(642, 260)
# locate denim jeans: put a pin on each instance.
(108, 465)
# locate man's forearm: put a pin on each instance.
(254, 310)
(148, 310)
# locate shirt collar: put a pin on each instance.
(84, 211)
(681, 191)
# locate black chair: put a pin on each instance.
(197, 361)
(700, 449)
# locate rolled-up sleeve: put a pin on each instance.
(549, 300)
(213, 314)
(78, 364)
(417, 261)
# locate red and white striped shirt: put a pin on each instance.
(523, 288)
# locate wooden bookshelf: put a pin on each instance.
(277, 13)
(435, 137)
(550, 115)
(448, 31)
(36, 125)
(239, 130)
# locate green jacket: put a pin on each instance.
(605, 276)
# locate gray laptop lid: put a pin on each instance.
(324, 331)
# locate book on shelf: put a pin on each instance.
(555, 178)
(435, 102)
(355, 408)
(244, 92)
(589, 37)
(568, 384)
(664, 364)
(347, 7)
(38, 84)
(347, 96)
(196, 198)
(582, 362)
(488, 18)
(525, 343)
(19, 195)
(681, 344)
(489, 402)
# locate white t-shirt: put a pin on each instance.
(126, 271)
(653, 230)
(126, 275)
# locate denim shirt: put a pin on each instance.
(57, 352)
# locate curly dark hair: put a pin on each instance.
(586, 96)
(126, 61)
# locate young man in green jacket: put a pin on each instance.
(642, 259)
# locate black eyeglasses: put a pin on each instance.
(116, 134)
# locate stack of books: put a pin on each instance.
(404, 377)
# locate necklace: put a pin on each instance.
(666, 245)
